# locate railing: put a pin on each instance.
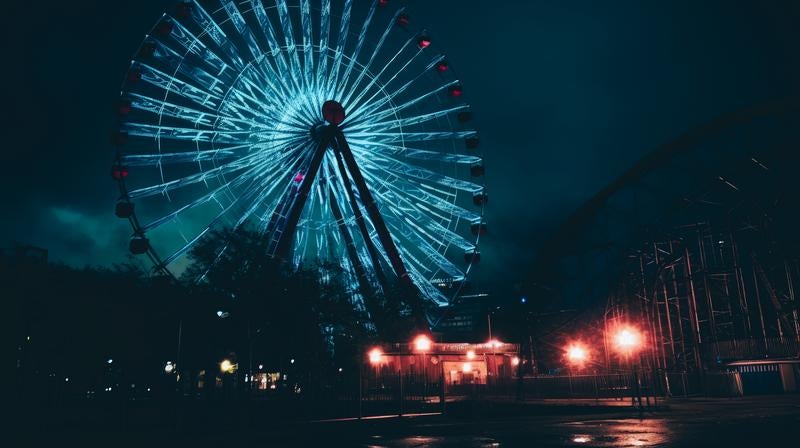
(749, 349)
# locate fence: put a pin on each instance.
(740, 349)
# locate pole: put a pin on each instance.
(442, 391)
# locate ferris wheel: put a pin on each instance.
(339, 134)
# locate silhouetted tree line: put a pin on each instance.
(81, 330)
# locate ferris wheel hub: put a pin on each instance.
(333, 112)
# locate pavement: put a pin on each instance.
(766, 421)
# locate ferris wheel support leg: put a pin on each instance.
(417, 311)
(284, 243)
(362, 225)
(363, 278)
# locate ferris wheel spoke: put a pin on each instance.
(418, 154)
(159, 107)
(213, 30)
(195, 116)
(324, 39)
(262, 197)
(291, 48)
(396, 137)
(254, 206)
(170, 83)
(422, 222)
(342, 84)
(169, 158)
(275, 46)
(357, 101)
(401, 227)
(407, 122)
(421, 214)
(249, 193)
(211, 195)
(426, 175)
(252, 80)
(188, 134)
(371, 106)
(341, 42)
(213, 223)
(194, 45)
(381, 113)
(199, 135)
(241, 27)
(412, 190)
(360, 106)
(228, 168)
(250, 109)
(308, 43)
(288, 36)
(366, 68)
(177, 64)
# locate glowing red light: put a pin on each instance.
(442, 67)
(456, 91)
(577, 353)
(299, 177)
(119, 172)
(375, 356)
(422, 343)
(627, 339)
(424, 42)
(165, 28)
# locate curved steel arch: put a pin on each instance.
(636, 204)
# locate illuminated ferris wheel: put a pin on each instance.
(340, 134)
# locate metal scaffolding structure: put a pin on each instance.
(696, 245)
(707, 295)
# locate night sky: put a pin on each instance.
(566, 94)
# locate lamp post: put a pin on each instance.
(628, 341)
(422, 344)
(577, 355)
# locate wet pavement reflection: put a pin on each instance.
(595, 433)
(619, 433)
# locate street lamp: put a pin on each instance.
(627, 340)
(226, 366)
(375, 356)
(422, 343)
(577, 354)
(169, 367)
